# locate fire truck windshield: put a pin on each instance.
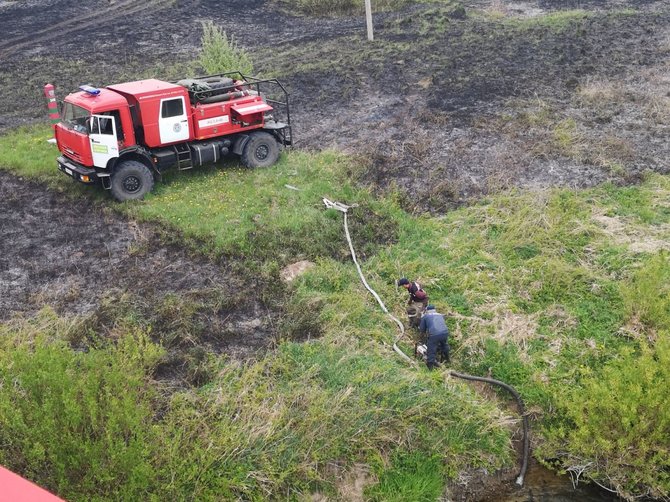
(76, 117)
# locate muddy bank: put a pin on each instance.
(543, 485)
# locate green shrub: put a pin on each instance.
(618, 423)
(220, 53)
(647, 297)
(78, 423)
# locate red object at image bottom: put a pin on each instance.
(13, 488)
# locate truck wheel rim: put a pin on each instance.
(262, 152)
(131, 184)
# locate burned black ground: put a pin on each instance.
(422, 105)
(109, 274)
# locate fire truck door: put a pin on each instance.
(173, 122)
(102, 135)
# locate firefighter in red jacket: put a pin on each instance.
(418, 300)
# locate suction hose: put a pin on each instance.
(522, 411)
(526, 440)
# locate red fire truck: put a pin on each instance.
(125, 135)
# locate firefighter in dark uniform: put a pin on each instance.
(433, 324)
(418, 299)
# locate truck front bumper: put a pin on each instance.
(77, 171)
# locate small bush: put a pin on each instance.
(618, 427)
(647, 297)
(220, 53)
(78, 423)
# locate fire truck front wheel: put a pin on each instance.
(131, 180)
(262, 150)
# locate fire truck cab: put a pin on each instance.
(123, 136)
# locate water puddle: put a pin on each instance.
(543, 485)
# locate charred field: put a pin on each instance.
(452, 103)
(446, 105)
(109, 273)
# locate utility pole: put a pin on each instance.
(368, 18)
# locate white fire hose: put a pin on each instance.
(343, 209)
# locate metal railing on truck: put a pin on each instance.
(273, 91)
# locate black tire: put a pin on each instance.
(131, 180)
(262, 150)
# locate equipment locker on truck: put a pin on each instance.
(123, 136)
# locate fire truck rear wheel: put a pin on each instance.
(131, 180)
(262, 150)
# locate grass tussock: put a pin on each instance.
(338, 7)
(554, 21)
(351, 7)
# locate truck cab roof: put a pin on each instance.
(104, 101)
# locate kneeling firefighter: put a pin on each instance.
(433, 324)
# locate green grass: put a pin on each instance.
(554, 21)
(346, 7)
(539, 292)
(413, 476)
(79, 423)
(28, 154)
(234, 210)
